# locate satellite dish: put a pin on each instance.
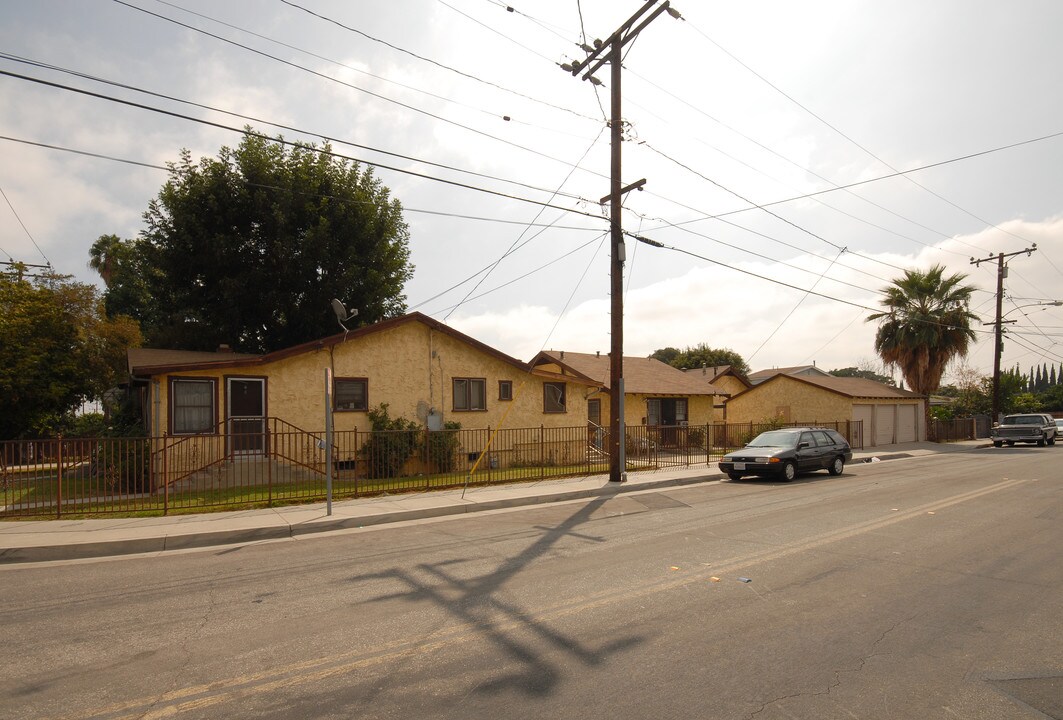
(341, 313)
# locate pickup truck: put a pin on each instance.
(1025, 427)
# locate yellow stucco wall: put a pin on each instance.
(729, 384)
(410, 367)
(700, 410)
(793, 400)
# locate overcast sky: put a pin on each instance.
(736, 105)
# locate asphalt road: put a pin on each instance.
(918, 588)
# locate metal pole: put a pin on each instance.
(328, 441)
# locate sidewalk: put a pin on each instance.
(46, 540)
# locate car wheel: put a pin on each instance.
(789, 471)
(997, 443)
(837, 466)
(1041, 441)
(1009, 443)
(734, 476)
(1052, 440)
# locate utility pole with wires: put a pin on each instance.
(998, 350)
(601, 53)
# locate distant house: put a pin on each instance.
(882, 414)
(725, 379)
(796, 371)
(655, 393)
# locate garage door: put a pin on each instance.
(907, 423)
(864, 414)
(884, 425)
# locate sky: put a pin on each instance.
(743, 118)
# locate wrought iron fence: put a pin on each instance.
(276, 463)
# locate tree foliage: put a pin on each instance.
(58, 348)
(926, 324)
(249, 248)
(700, 356)
(866, 374)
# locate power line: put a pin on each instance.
(496, 32)
(855, 143)
(346, 84)
(485, 293)
(281, 141)
(282, 126)
(657, 244)
(793, 310)
(429, 60)
(513, 245)
(126, 161)
(24, 228)
(508, 117)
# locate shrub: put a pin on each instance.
(392, 443)
(443, 447)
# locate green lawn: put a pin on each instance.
(79, 501)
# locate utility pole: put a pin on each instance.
(610, 52)
(998, 350)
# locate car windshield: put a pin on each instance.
(1023, 420)
(775, 438)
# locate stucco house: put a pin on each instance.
(655, 393)
(881, 414)
(760, 376)
(425, 372)
(422, 369)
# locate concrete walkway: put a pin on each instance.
(47, 540)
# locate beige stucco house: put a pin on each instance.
(881, 414)
(655, 393)
(205, 407)
(422, 369)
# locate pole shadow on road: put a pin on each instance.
(474, 602)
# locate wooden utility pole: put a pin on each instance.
(603, 52)
(998, 350)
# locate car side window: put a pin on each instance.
(837, 437)
(823, 438)
(807, 438)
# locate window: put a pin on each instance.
(554, 397)
(350, 394)
(505, 389)
(594, 411)
(192, 406)
(470, 394)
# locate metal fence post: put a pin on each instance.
(59, 477)
(542, 452)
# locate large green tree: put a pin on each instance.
(925, 325)
(701, 355)
(58, 348)
(249, 248)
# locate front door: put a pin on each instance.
(246, 415)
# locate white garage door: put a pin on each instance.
(884, 425)
(907, 423)
(864, 414)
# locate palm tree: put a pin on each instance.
(926, 324)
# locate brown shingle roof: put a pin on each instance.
(644, 376)
(149, 361)
(850, 387)
(150, 357)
